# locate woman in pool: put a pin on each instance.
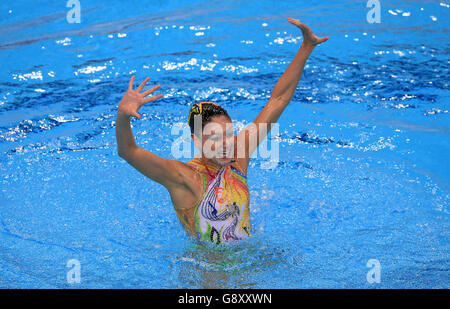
(210, 193)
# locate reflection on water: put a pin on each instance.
(210, 266)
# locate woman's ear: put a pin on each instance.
(197, 141)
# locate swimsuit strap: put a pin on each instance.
(209, 172)
(207, 169)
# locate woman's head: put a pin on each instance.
(212, 131)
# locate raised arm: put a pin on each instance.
(281, 94)
(164, 171)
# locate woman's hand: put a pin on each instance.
(134, 99)
(309, 38)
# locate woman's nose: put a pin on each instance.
(227, 143)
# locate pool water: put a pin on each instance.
(363, 167)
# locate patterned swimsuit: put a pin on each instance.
(222, 213)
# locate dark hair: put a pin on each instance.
(207, 110)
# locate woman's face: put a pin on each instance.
(218, 140)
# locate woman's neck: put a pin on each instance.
(210, 162)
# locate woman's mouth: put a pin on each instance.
(225, 155)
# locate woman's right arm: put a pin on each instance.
(164, 171)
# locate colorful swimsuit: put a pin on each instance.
(222, 214)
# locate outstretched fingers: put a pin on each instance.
(304, 28)
(147, 92)
(141, 86)
(296, 22)
(308, 35)
(324, 39)
(130, 84)
(153, 98)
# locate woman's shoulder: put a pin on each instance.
(235, 164)
(194, 163)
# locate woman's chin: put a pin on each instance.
(223, 161)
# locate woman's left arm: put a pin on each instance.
(282, 92)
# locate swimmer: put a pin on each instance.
(210, 193)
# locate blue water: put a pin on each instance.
(363, 171)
